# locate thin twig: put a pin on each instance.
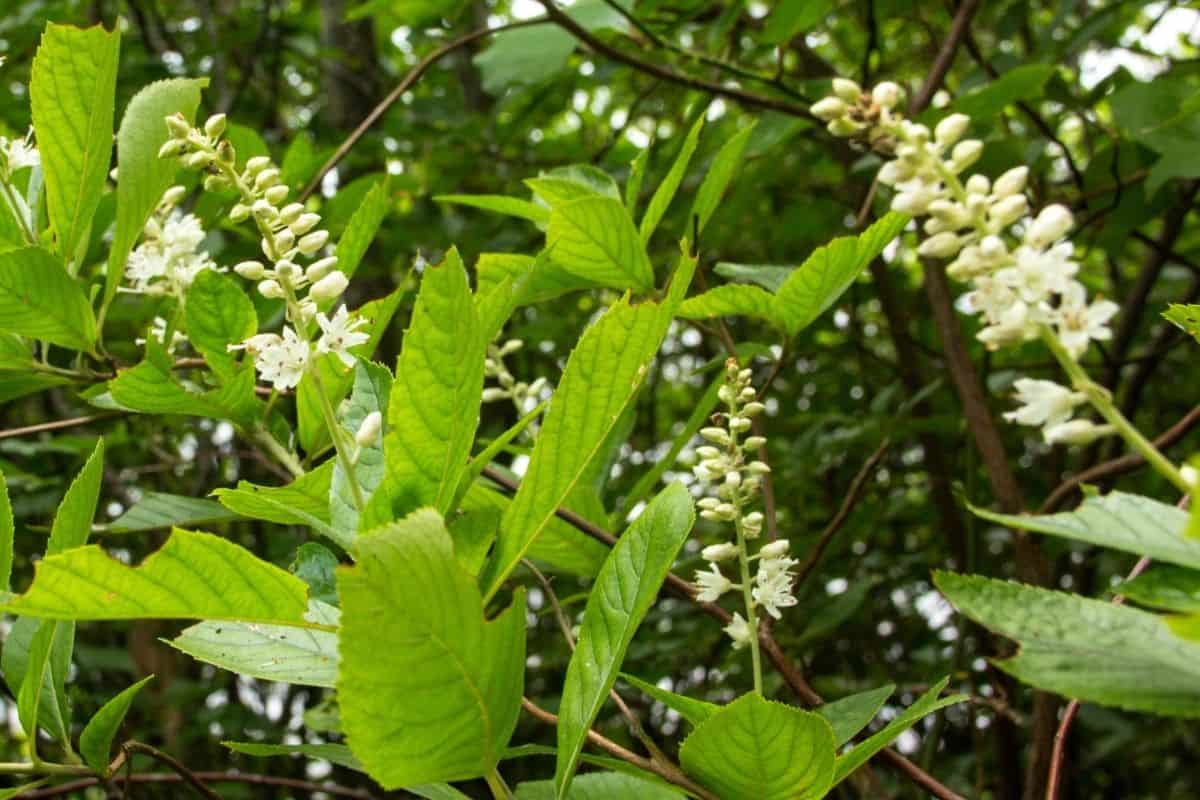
(56, 425)
(843, 513)
(73, 787)
(412, 77)
(189, 777)
(945, 56)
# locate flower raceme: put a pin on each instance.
(1020, 270)
(291, 236)
(734, 483)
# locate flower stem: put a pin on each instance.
(283, 455)
(748, 598)
(337, 434)
(1101, 400)
(499, 788)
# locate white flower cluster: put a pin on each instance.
(736, 483)
(290, 236)
(1021, 285)
(169, 257)
(17, 154)
(524, 396)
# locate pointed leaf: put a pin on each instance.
(7, 531)
(193, 576)
(731, 300)
(694, 711)
(594, 238)
(600, 786)
(95, 743)
(1169, 588)
(1086, 649)
(372, 385)
(756, 749)
(666, 190)
(601, 378)
(38, 299)
(851, 714)
(218, 313)
(926, 704)
(413, 626)
(143, 176)
(1127, 522)
(625, 589)
(158, 511)
(73, 522)
(334, 753)
(362, 227)
(500, 204)
(720, 173)
(72, 90)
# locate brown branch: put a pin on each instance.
(945, 56)
(188, 777)
(1054, 775)
(56, 425)
(664, 769)
(843, 513)
(73, 787)
(751, 99)
(405, 84)
(1119, 466)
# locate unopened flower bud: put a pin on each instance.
(239, 213)
(271, 289)
(304, 223)
(753, 409)
(716, 435)
(216, 183)
(965, 154)
(313, 242)
(172, 197)
(951, 129)
(1008, 210)
(276, 194)
(368, 431)
(290, 213)
(307, 309)
(319, 269)
(262, 208)
(1050, 226)
(719, 552)
(197, 160)
(1011, 182)
(757, 468)
(993, 248)
(739, 424)
(288, 271)
(329, 287)
(284, 240)
(250, 270)
(178, 126)
(171, 148)
(266, 179)
(829, 108)
(843, 126)
(887, 94)
(257, 165)
(847, 89)
(978, 184)
(775, 549)
(754, 442)
(214, 126)
(494, 393)
(944, 245)
(226, 153)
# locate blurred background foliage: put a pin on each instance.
(1099, 98)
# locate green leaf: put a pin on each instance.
(218, 313)
(601, 378)
(530, 280)
(362, 227)
(828, 272)
(1185, 317)
(500, 204)
(730, 300)
(72, 90)
(756, 749)
(95, 743)
(625, 589)
(768, 276)
(434, 406)
(156, 511)
(413, 626)
(793, 17)
(73, 521)
(38, 299)
(637, 174)
(1127, 522)
(720, 173)
(694, 711)
(143, 175)
(41, 688)
(665, 192)
(7, 531)
(1169, 588)
(599, 786)
(1025, 82)
(564, 184)
(851, 714)
(594, 238)
(281, 653)
(926, 704)
(304, 501)
(1086, 649)
(150, 389)
(193, 576)
(334, 753)
(372, 385)
(315, 564)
